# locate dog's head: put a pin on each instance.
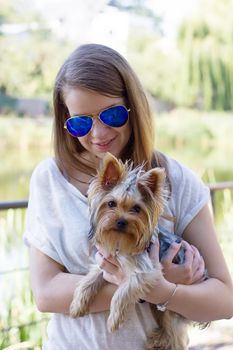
(125, 205)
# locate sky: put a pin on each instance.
(172, 11)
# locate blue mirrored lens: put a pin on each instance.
(79, 126)
(114, 116)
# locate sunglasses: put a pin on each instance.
(81, 125)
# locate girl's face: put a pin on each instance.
(101, 138)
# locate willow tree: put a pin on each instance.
(206, 44)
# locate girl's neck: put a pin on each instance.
(79, 178)
(90, 159)
(81, 184)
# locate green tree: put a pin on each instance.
(31, 56)
(153, 63)
(206, 43)
(29, 65)
(20, 11)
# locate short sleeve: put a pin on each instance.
(42, 224)
(189, 194)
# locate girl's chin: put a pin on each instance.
(102, 154)
(98, 156)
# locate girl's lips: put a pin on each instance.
(104, 145)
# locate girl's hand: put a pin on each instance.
(190, 272)
(112, 270)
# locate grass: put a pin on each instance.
(225, 228)
(200, 140)
(20, 321)
(24, 133)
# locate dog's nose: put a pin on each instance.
(121, 224)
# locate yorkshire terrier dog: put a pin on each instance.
(125, 205)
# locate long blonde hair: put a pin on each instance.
(102, 69)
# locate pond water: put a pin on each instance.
(15, 171)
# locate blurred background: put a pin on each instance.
(182, 52)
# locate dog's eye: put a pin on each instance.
(136, 209)
(112, 204)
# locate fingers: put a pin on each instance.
(191, 271)
(194, 264)
(109, 264)
(189, 254)
(200, 275)
(103, 252)
(112, 270)
(198, 266)
(170, 254)
(197, 259)
(154, 251)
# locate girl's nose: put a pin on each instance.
(98, 128)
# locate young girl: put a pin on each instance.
(100, 107)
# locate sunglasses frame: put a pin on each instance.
(92, 116)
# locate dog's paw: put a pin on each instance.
(115, 320)
(158, 340)
(78, 308)
(112, 324)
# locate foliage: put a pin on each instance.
(17, 11)
(206, 43)
(198, 139)
(153, 64)
(20, 322)
(29, 65)
(25, 142)
(31, 57)
(197, 71)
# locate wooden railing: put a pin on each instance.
(14, 204)
(220, 186)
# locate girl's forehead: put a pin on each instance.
(84, 101)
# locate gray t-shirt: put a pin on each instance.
(58, 225)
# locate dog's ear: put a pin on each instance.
(153, 180)
(111, 171)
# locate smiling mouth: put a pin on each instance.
(104, 144)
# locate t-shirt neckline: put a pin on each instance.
(67, 183)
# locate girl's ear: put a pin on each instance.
(110, 172)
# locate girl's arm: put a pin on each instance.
(53, 288)
(212, 299)
(208, 300)
(200, 301)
